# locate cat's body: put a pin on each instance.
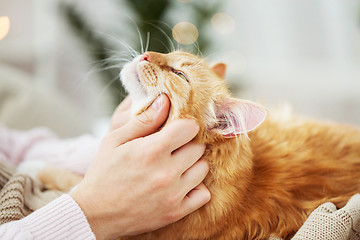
(271, 184)
(268, 185)
(266, 176)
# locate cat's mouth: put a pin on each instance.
(131, 78)
(142, 76)
(137, 77)
(137, 74)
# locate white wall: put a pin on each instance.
(306, 52)
(42, 47)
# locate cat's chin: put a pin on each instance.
(142, 97)
(139, 105)
(131, 81)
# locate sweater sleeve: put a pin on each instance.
(60, 219)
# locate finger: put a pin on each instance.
(125, 104)
(177, 133)
(194, 175)
(122, 114)
(121, 119)
(195, 199)
(144, 124)
(185, 156)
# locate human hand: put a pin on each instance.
(122, 114)
(139, 183)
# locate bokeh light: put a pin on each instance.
(223, 23)
(185, 33)
(4, 26)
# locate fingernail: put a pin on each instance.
(154, 110)
(158, 103)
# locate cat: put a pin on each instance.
(267, 173)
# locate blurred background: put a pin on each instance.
(60, 59)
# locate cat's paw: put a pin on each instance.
(32, 168)
(51, 177)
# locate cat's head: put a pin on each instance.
(195, 89)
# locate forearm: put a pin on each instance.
(60, 219)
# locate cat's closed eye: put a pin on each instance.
(179, 73)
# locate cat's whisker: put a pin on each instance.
(163, 44)
(199, 53)
(168, 37)
(197, 65)
(139, 35)
(165, 34)
(128, 56)
(140, 39)
(115, 59)
(106, 87)
(111, 68)
(178, 46)
(147, 41)
(131, 50)
(99, 66)
(110, 63)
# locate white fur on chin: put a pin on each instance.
(130, 78)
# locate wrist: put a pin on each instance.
(90, 211)
(61, 217)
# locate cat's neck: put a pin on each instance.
(231, 172)
(230, 161)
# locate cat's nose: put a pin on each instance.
(145, 57)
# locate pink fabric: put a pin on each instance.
(74, 154)
(62, 218)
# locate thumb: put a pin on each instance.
(146, 123)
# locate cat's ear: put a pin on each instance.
(236, 116)
(219, 69)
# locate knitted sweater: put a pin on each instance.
(60, 219)
(26, 210)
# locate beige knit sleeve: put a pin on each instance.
(328, 223)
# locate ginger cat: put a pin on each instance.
(267, 173)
